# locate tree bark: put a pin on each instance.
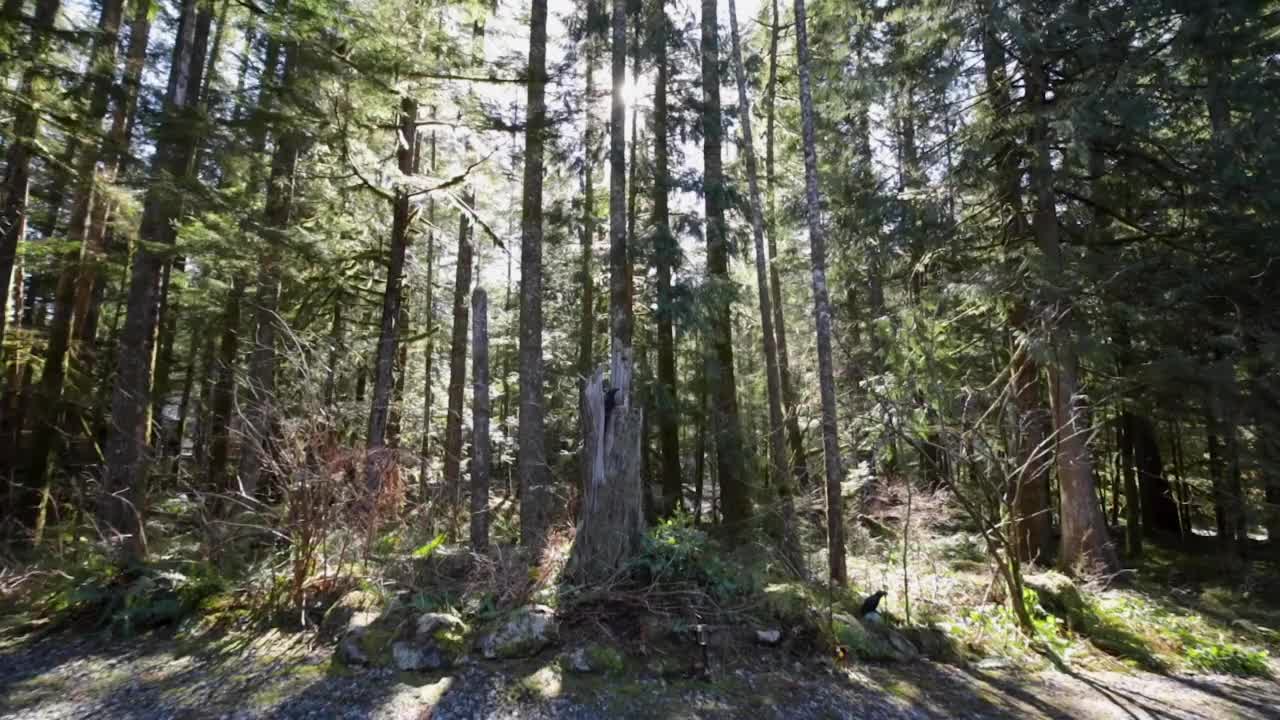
(1132, 516)
(1033, 451)
(480, 421)
(89, 282)
(777, 441)
(51, 406)
(799, 465)
(1222, 405)
(727, 421)
(224, 390)
(428, 352)
(124, 478)
(458, 363)
(1085, 543)
(256, 450)
(621, 319)
(700, 444)
(535, 490)
(1029, 485)
(23, 144)
(666, 254)
(1159, 506)
(821, 310)
(587, 320)
(612, 523)
(377, 459)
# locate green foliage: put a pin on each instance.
(1229, 658)
(1049, 628)
(676, 551)
(138, 598)
(426, 550)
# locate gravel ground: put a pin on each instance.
(285, 676)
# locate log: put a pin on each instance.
(612, 523)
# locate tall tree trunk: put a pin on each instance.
(504, 422)
(173, 440)
(535, 490)
(1224, 458)
(1229, 490)
(821, 309)
(1159, 505)
(24, 143)
(587, 317)
(777, 441)
(223, 394)
(102, 64)
(700, 442)
(1033, 452)
(480, 455)
(666, 254)
(799, 465)
(1085, 544)
(124, 478)
(401, 372)
(91, 279)
(458, 362)
(256, 451)
(224, 390)
(377, 460)
(199, 416)
(621, 318)
(336, 340)
(428, 352)
(1132, 518)
(727, 421)
(1029, 487)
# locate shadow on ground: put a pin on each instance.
(285, 676)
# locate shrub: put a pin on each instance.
(1228, 658)
(676, 551)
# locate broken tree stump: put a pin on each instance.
(612, 523)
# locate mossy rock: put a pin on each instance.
(446, 564)
(790, 602)
(337, 619)
(525, 632)
(401, 640)
(872, 641)
(366, 646)
(1059, 595)
(932, 643)
(595, 658)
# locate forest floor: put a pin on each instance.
(277, 675)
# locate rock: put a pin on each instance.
(578, 662)
(872, 641)
(524, 633)
(363, 646)
(337, 619)
(409, 657)
(353, 645)
(769, 637)
(932, 642)
(446, 563)
(1060, 596)
(439, 640)
(595, 659)
(398, 639)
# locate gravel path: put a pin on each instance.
(284, 676)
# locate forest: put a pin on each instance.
(881, 353)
